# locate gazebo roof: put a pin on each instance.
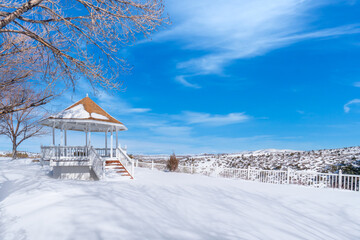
(84, 115)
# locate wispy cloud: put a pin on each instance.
(224, 31)
(181, 79)
(108, 101)
(356, 84)
(172, 131)
(214, 119)
(300, 112)
(138, 110)
(347, 105)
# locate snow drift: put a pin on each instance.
(162, 205)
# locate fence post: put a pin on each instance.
(288, 176)
(340, 178)
(152, 164)
(216, 170)
(191, 168)
(248, 172)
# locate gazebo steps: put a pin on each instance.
(118, 167)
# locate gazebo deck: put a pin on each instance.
(86, 156)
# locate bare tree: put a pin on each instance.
(80, 38)
(16, 71)
(23, 124)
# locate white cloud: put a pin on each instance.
(214, 119)
(138, 110)
(300, 112)
(356, 84)
(346, 106)
(172, 131)
(116, 105)
(223, 31)
(181, 79)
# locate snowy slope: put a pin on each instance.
(161, 205)
(315, 160)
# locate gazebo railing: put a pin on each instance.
(63, 153)
(105, 152)
(97, 164)
(125, 159)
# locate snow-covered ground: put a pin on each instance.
(162, 205)
(267, 159)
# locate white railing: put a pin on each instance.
(70, 154)
(125, 160)
(97, 164)
(64, 153)
(306, 178)
(105, 152)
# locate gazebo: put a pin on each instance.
(85, 161)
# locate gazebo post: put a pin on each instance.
(111, 143)
(62, 136)
(106, 142)
(65, 138)
(117, 139)
(89, 138)
(53, 133)
(86, 138)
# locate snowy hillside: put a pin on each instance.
(163, 205)
(317, 160)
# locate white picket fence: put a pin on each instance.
(306, 178)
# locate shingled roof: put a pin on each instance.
(85, 111)
(86, 108)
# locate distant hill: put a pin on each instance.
(325, 160)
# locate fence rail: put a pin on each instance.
(305, 178)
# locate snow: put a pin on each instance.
(79, 112)
(163, 205)
(99, 116)
(76, 112)
(314, 160)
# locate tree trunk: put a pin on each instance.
(14, 150)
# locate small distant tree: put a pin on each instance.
(173, 163)
(21, 125)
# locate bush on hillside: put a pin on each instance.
(173, 163)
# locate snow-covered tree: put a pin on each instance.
(23, 124)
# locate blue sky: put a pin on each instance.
(235, 75)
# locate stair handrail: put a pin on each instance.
(128, 159)
(96, 163)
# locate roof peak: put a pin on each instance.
(87, 109)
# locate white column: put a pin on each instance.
(86, 138)
(89, 138)
(65, 138)
(53, 133)
(106, 142)
(117, 139)
(111, 143)
(62, 137)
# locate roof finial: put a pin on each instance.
(87, 95)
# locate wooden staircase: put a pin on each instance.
(118, 167)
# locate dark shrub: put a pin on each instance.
(173, 163)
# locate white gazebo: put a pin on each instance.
(85, 161)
